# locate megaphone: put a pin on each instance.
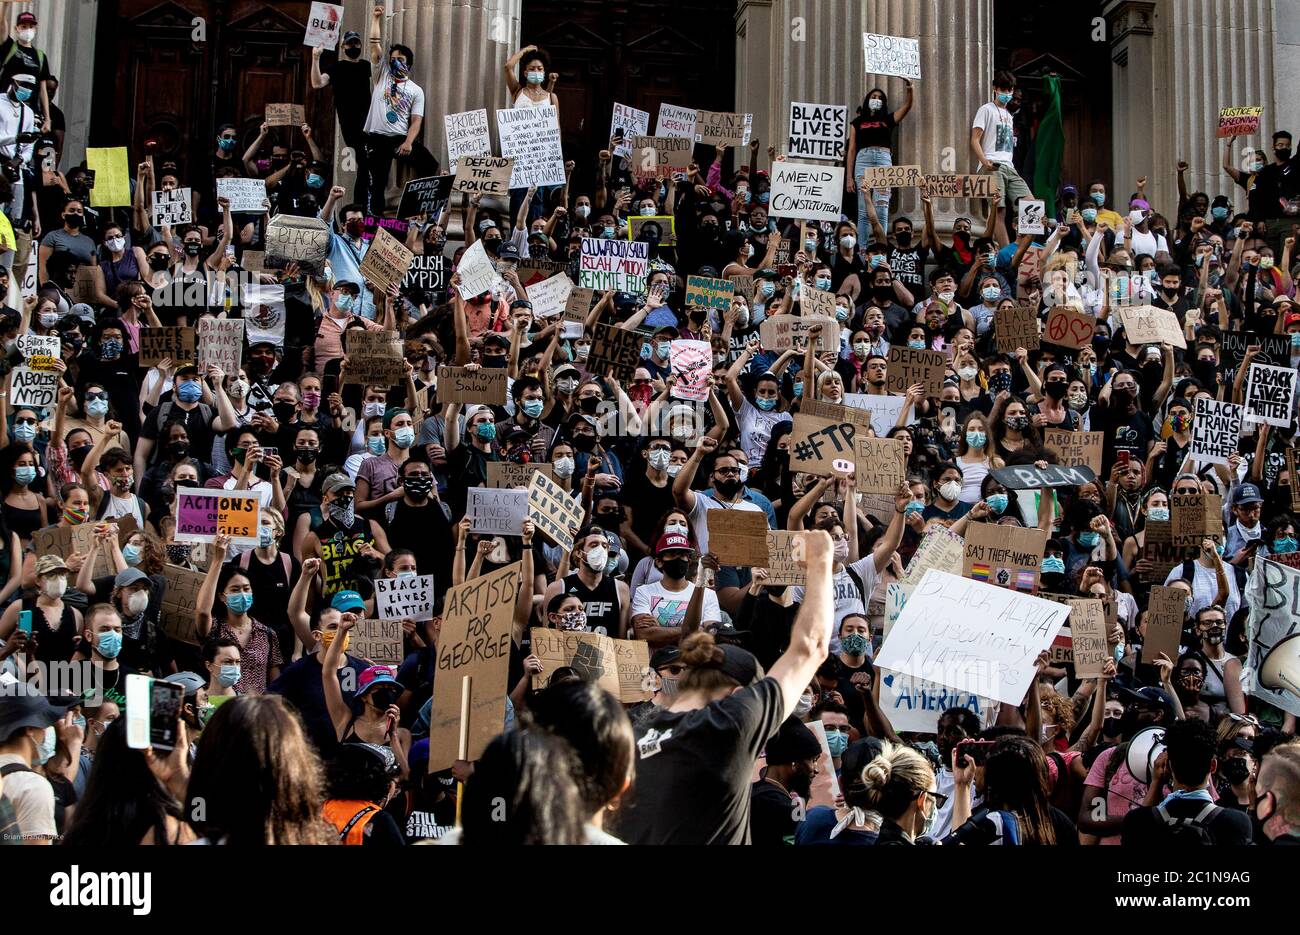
(1281, 668)
(1143, 751)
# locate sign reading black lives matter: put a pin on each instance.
(817, 131)
(1270, 395)
(1216, 430)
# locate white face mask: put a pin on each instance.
(803, 706)
(659, 459)
(238, 388)
(597, 557)
(137, 603)
(875, 104)
(25, 36)
(673, 470)
(678, 528)
(967, 373)
(563, 467)
(116, 244)
(582, 211)
(947, 297)
(54, 587)
(950, 490)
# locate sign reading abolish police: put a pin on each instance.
(33, 388)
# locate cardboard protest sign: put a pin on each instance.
(881, 464)
(1273, 596)
(626, 123)
(63, 541)
(246, 196)
(712, 128)
(742, 285)
(692, 364)
(1088, 637)
(497, 511)
(1032, 217)
(467, 135)
(781, 565)
(374, 358)
(203, 513)
(1006, 556)
(614, 264)
(1166, 610)
(550, 296)
(428, 271)
(1291, 465)
(305, 241)
(512, 474)
(820, 446)
(477, 274)
(883, 411)
(806, 191)
(892, 55)
(1159, 552)
(1029, 477)
(971, 636)
(409, 598)
(1027, 278)
(1146, 324)
(379, 641)
(1216, 429)
(427, 196)
(462, 385)
(33, 388)
(892, 177)
(83, 289)
(658, 229)
(111, 177)
(386, 262)
(555, 512)
(959, 186)
(1270, 395)
(614, 348)
(1193, 516)
(170, 208)
(179, 618)
(709, 292)
(579, 304)
(1017, 327)
(533, 270)
(940, 548)
(175, 344)
(324, 23)
(658, 157)
(483, 175)
(908, 366)
(818, 131)
(1068, 327)
(531, 136)
(676, 121)
(738, 537)
(779, 332)
(285, 115)
(816, 302)
(475, 641)
(1238, 121)
(1076, 448)
(620, 667)
(834, 412)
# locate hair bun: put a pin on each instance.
(699, 651)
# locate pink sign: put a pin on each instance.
(691, 362)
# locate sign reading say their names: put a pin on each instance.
(463, 385)
(409, 598)
(1005, 556)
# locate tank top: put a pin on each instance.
(124, 270)
(523, 100)
(23, 522)
(55, 645)
(600, 603)
(339, 545)
(972, 476)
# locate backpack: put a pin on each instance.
(1067, 794)
(1194, 830)
(13, 52)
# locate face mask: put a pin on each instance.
(678, 528)
(405, 437)
(315, 181)
(848, 242)
(662, 349)
(1089, 214)
(137, 603)
(1053, 565)
(535, 78)
(673, 470)
(54, 587)
(370, 410)
(1111, 726)
(582, 211)
(1136, 217)
(1283, 154)
(25, 475)
(1018, 423)
(976, 439)
(239, 603)
(992, 294)
(1089, 540)
(861, 349)
(596, 558)
(116, 244)
(914, 506)
(566, 386)
(110, 349)
(46, 746)
(608, 232)
(563, 467)
(109, 644)
(855, 644)
(486, 431)
(49, 319)
(997, 502)
(344, 511)
(226, 144)
(1099, 197)
(1079, 401)
(1219, 214)
(189, 392)
(24, 432)
(376, 444)
(1284, 545)
(916, 345)
(947, 297)
(968, 373)
(228, 675)
(192, 249)
(676, 568)
(659, 459)
(841, 551)
(533, 408)
(837, 742)
(1004, 98)
(803, 706)
(950, 490)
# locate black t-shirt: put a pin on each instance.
(842, 269)
(197, 421)
(300, 683)
(982, 829)
(1131, 433)
(272, 586)
(1145, 826)
(1272, 184)
(23, 60)
(771, 815)
(873, 129)
(909, 268)
(425, 531)
(694, 770)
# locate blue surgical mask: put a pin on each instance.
(45, 749)
(265, 537)
(535, 77)
(997, 502)
(1159, 514)
(228, 675)
(823, 284)
(1004, 98)
(1053, 565)
(533, 408)
(24, 475)
(314, 180)
(132, 554)
(662, 349)
(376, 444)
(609, 233)
(1219, 548)
(486, 430)
(837, 741)
(1284, 545)
(1089, 214)
(767, 404)
(404, 437)
(343, 302)
(189, 391)
(1099, 197)
(914, 506)
(1295, 341)
(24, 432)
(976, 439)
(916, 345)
(1219, 214)
(239, 603)
(109, 644)
(1089, 539)
(97, 408)
(992, 294)
(768, 289)
(23, 94)
(226, 144)
(798, 390)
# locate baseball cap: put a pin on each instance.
(1069, 190)
(665, 656)
(350, 35)
(347, 284)
(1150, 696)
(336, 482)
(791, 743)
(26, 19)
(668, 330)
(391, 414)
(673, 541)
(21, 706)
(577, 415)
(82, 310)
(1291, 319)
(187, 368)
(48, 563)
(1246, 494)
(190, 681)
(374, 676)
(739, 664)
(347, 600)
(497, 337)
(129, 576)
(507, 251)
(566, 368)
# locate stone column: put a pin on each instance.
(64, 32)
(1139, 96)
(811, 50)
(1286, 67)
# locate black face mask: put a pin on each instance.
(306, 455)
(179, 450)
(1236, 770)
(73, 221)
(352, 51)
(159, 262)
(584, 442)
(1055, 390)
(883, 294)
(494, 360)
(903, 238)
(1111, 727)
(610, 521)
(418, 486)
(1283, 154)
(192, 249)
(588, 405)
(676, 568)
(284, 412)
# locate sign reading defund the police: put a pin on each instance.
(973, 637)
(807, 192)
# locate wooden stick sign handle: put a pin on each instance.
(462, 747)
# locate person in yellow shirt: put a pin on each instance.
(1107, 216)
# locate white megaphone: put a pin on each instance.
(1143, 751)
(1281, 668)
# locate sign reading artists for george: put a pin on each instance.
(409, 598)
(467, 135)
(892, 55)
(712, 128)
(427, 196)
(818, 131)
(203, 514)
(614, 348)
(1238, 121)
(1270, 395)
(807, 192)
(463, 385)
(555, 512)
(1216, 429)
(474, 640)
(909, 366)
(619, 265)
(1004, 555)
(971, 636)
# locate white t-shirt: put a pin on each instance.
(999, 140)
(848, 600)
(1148, 243)
(393, 118)
(669, 607)
(756, 429)
(32, 797)
(699, 521)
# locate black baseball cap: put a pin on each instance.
(791, 743)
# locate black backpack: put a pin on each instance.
(1194, 830)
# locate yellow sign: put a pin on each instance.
(112, 177)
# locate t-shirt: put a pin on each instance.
(909, 268)
(771, 814)
(393, 104)
(999, 137)
(1123, 793)
(873, 129)
(79, 245)
(699, 520)
(756, 430)
(300, 683)
(668, 608)
(23, 60)
(1227, 826)
(351, 83)
(694, 769)
(32, 798)
(848, 599)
